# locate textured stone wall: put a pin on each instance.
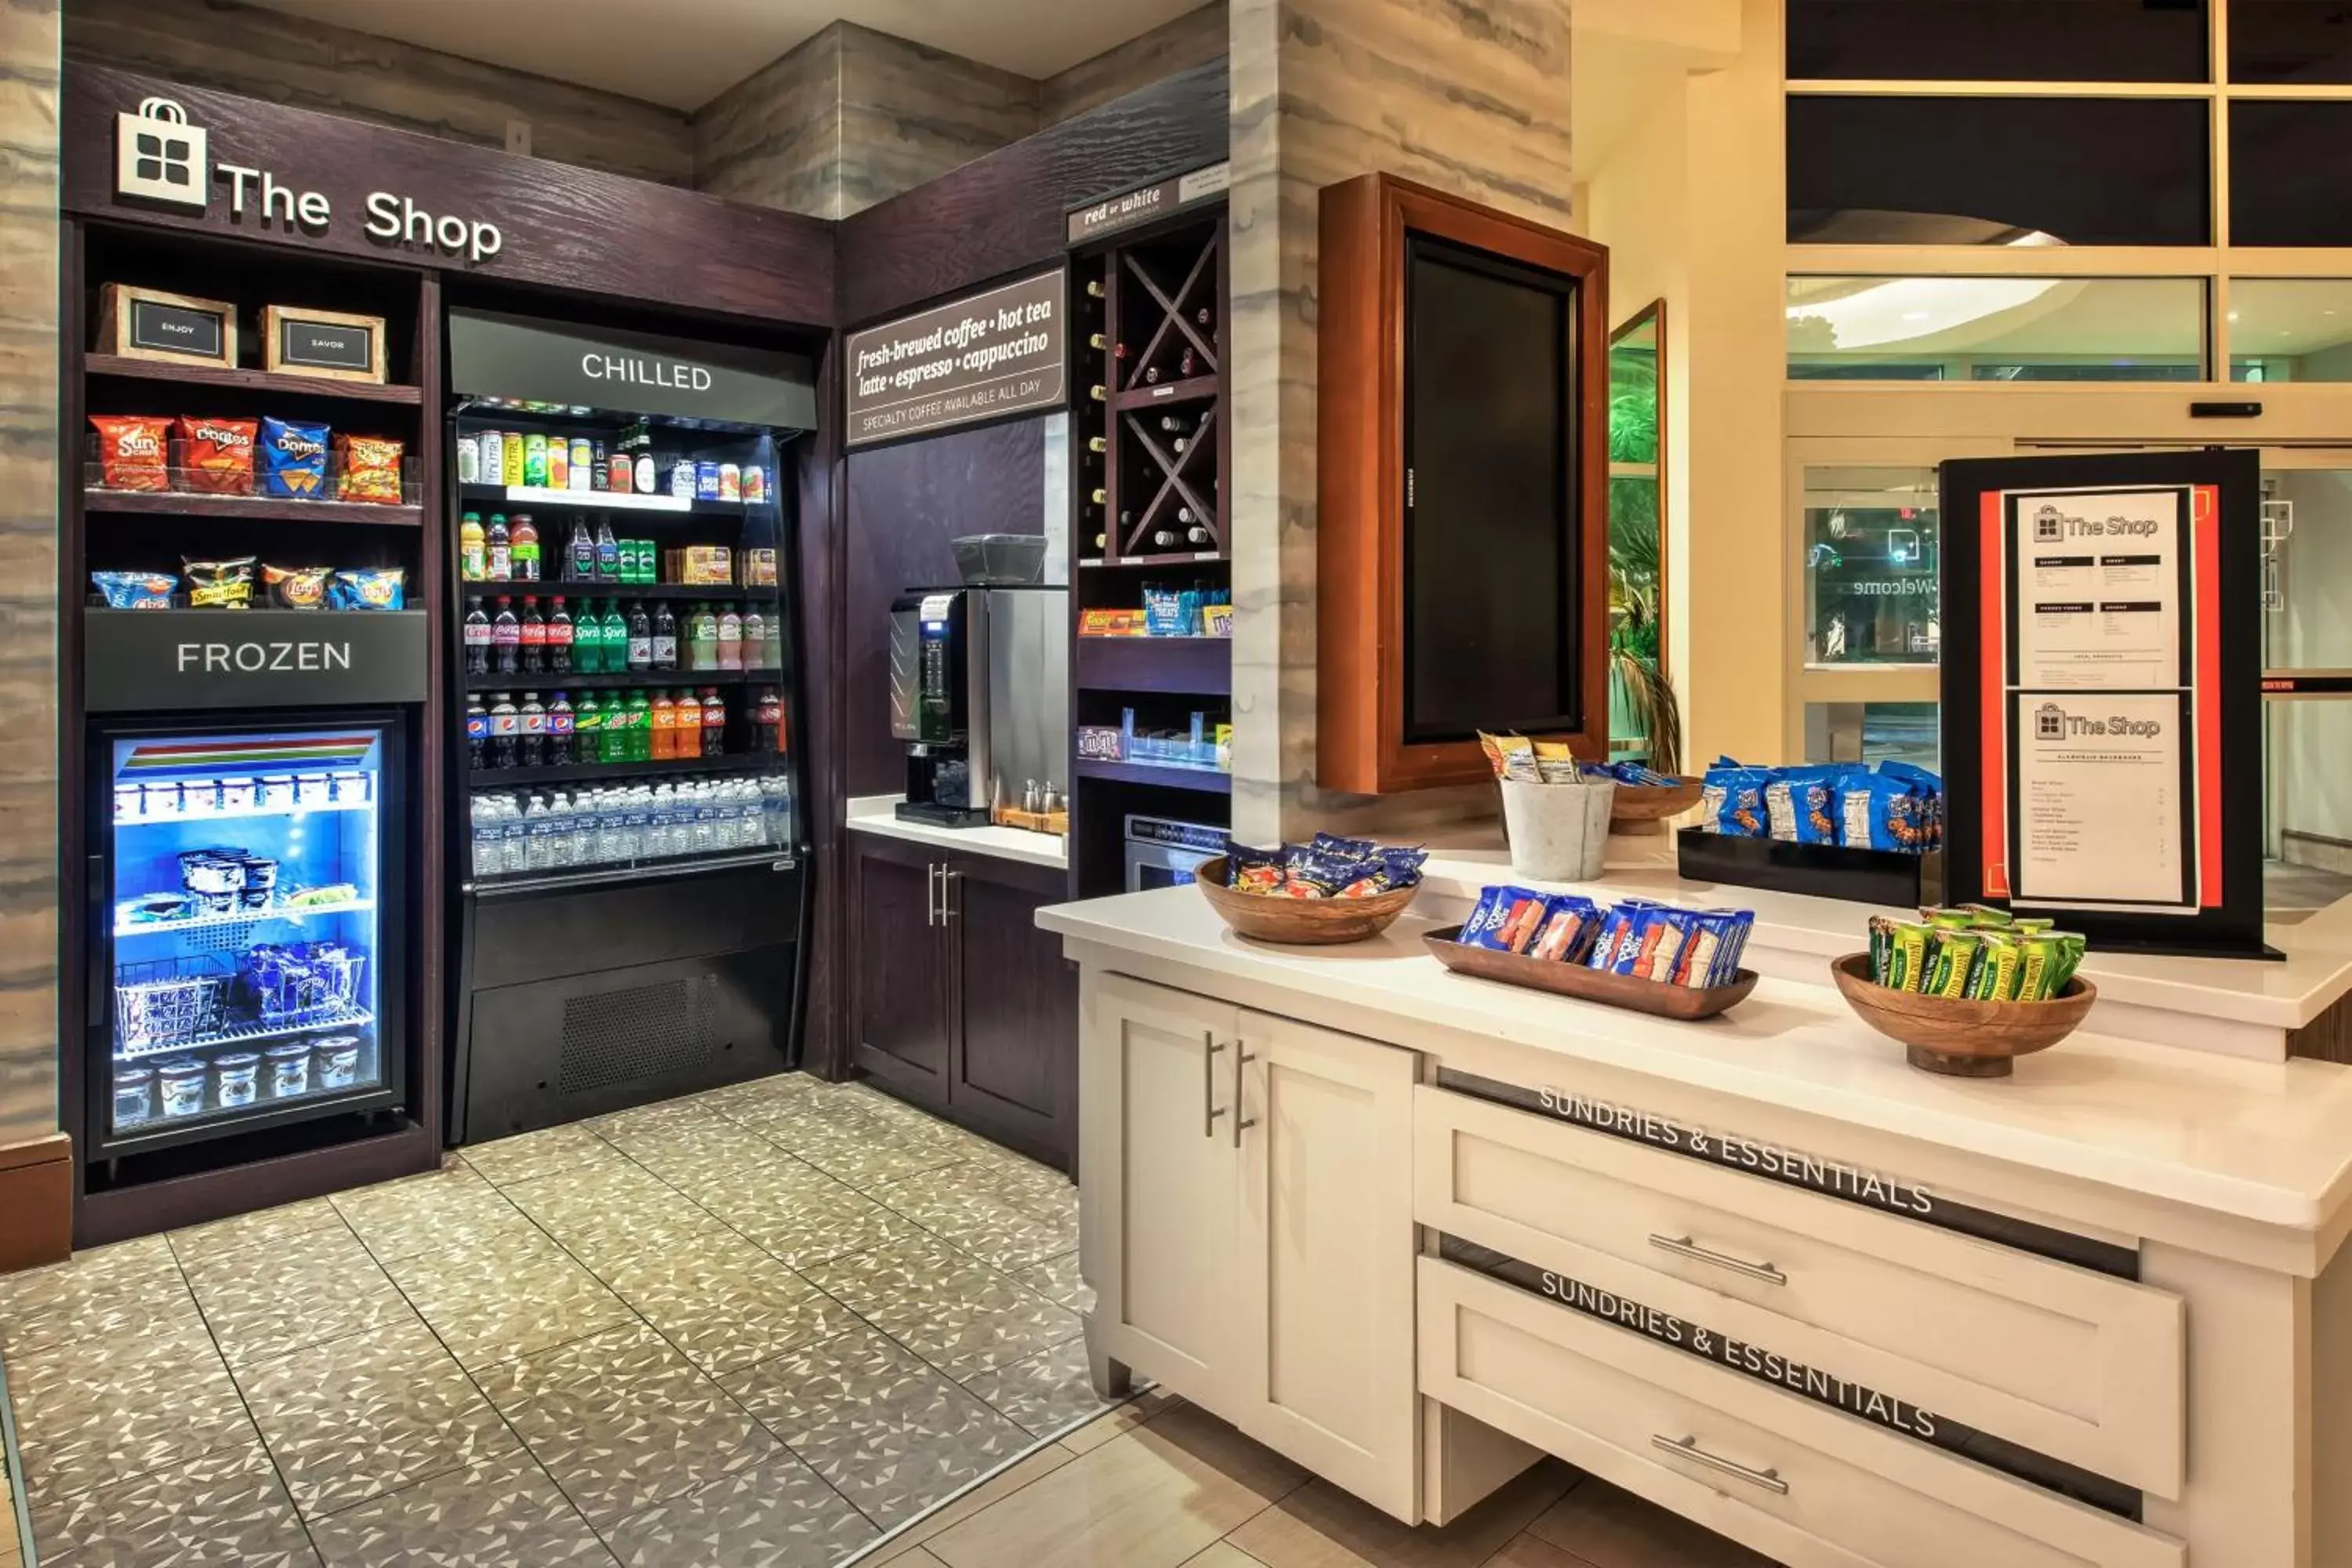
(774, 138)
(1193, 39)
(1473, 99)
(28, 568)
(311, 65)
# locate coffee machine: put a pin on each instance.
(979, 692)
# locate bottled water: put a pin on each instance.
(538, 835)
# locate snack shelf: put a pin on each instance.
(606, 772)
(242, 1034)
(1208, 781)
(1202, 665)
(189, 503)
(195, 375)
(546, 681)
(589, 588)
(1192, 390)
(125, 929)
(598, 501)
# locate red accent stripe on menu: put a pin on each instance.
(1992, 709)
(2205, 508)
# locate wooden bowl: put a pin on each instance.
(1963, 1039)
(1643, 808)
(1298, 922)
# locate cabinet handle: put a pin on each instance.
(1685, 1247)
(1210, 1109)
(931, 893)
(1688, 1448)
(1241, 1123)
(948, 881)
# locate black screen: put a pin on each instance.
(1490, 559)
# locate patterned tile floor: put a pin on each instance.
(756, 1327)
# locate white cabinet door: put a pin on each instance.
(1323, 1282)
(1157, 1181)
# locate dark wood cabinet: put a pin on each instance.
(961, 1004)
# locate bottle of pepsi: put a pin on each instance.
(478, 733)
(560, 727)
(505, 725)
(531, 726)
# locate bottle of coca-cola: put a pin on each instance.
(768, 721)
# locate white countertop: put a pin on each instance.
(875, 814)
(2316, 971)
(2269, 1143)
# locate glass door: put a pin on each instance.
(245, 929)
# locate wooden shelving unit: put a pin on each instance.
(1155, 446)
(269, 382)
(253, 509)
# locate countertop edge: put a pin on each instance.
(872, 814)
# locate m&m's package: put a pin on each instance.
(133, 451)
(217, 455)
(370, 466)
(293, 459)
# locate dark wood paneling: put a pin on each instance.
(900, 1006)
(1003, 212)
(35, 1202)
(818, 490)
(1015, 1043)
(569, 227)
(906, 502)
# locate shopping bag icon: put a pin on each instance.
(159, 157)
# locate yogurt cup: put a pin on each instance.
(289, 1069)
(337, 1062)
(237, 1079)
(180, 1084)
(134, 1094)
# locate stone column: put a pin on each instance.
(1470, 99)
(29, 620)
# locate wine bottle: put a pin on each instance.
(1099, 495)
(1183, 514)
(1196, 535)
(1150, 374)
(1099, 540)
(1164, 537)
(1097, 341)
(1180, 443)
(1169, 422)
(1204, 316)
(1097, 393)
(1096, 444)
(1185, 365)
(1094, 288)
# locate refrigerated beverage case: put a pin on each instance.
(616, 638)
(702, 639)
(499, 546)
(641, 728)
(714, 723)
(580, 553)
(530, 731)
(560, 721)
(478, 733)
(665, 719)
(506, 638)
(641, 639)
(533, 639)
(506, 728)
(477, 638)
(559, 637)
(608, 554)
(768, 722)
(730, 639)
(522, 548)
(588, 730)
(473, 549)
(664, 638)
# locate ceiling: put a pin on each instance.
(684, 53)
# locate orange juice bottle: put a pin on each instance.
(665, 727)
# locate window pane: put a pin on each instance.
(2291, 329)
(1999, 40)
(1871, 559)
(2290, 172)
(2290, 41)
(1997, 171)
(1996, 329)
(1875, 733)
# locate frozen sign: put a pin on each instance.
(1002, 352)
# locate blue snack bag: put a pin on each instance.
(293, 453)
(1744, 814)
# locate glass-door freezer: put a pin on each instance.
(249, 921)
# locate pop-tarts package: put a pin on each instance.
(1511, 920)
(1570, 924)
(1660, 945)
(1621, 934)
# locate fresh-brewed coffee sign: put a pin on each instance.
(1001, 351)
(1146, 203)
(515, 357)
(154, 661)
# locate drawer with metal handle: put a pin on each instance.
(1809, 1485)
(2076, 1365)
